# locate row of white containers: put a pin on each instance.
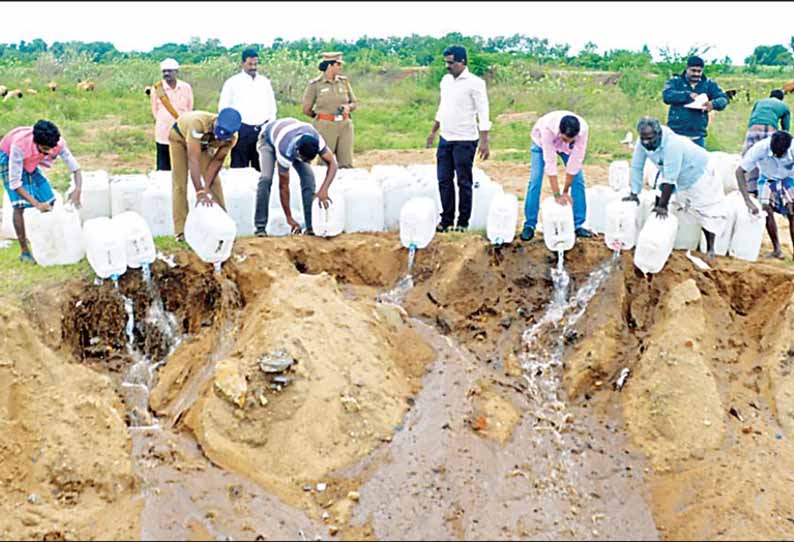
(373, 198)
(625, 224)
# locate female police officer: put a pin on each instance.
(329, 99)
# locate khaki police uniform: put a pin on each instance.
(325, 97)
(193, 125)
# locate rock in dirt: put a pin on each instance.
(276, 362)
(231, 382)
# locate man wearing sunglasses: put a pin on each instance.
(462, 117)
(22, 151)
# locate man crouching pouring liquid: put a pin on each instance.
(686, 170)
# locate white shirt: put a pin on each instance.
(464, 101)
(760, 156)
(253, 98)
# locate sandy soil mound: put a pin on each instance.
(357, 367)
(709, 399)
(65, 465)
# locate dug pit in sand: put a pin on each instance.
(356, 362)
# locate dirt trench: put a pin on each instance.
(395, 419)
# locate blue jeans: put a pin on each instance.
(532, 202)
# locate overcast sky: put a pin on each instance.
(732, 28)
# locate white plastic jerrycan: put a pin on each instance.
(558, 230)
(502, 219)
(484, 192)
(104, 247)
(331, 221)
(8, 231)
(598, 197)
(158, 211)
(239, 194)
(94, 195)
(689, 230)
(56, 237)
(647, 203)
(724, 165)
(210, 232)
(748, 232)
(396, 193)
(138, 239)
(418, 220)
(126, 193)
(655, 243)
(364, 206)
(621, 232)
(619, 175)
(723, 241)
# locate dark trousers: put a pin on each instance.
(244, 152)
(267, 154)
(163, 157)
(455, 157)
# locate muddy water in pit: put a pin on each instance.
(560, 475)
(185, 496)
(573, 483)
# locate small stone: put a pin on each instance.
(707, 423)
(277, 362)
(307, 488)
(262, 399)
(33, 498)
(353, 496)
(332, 530)
(321, 487)
(326, 515)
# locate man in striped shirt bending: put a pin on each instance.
(289, 142)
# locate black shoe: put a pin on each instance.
(460, 228)
(441, 228)
(180, 237)
(582, 232)
(308, 231)
(527, 233)
(261, 233)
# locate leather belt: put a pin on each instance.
(332, 118)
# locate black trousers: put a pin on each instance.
(163, 157)
(244, 152)
(455, 157)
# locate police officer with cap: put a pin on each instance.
(329, 100)
(199, 143)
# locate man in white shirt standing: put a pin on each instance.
(252, 95)
(463, 119)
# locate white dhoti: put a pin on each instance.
(706, 202)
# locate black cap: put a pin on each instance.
(694, 61)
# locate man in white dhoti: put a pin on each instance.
(686, 171)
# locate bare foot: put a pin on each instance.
(778, 254)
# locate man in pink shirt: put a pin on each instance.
(22, 151)
(168, 96)
(563, 134)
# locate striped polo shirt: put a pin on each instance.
(283, 135)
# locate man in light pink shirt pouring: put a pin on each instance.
(563, 134)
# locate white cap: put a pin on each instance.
(169, 64)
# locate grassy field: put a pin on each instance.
(112, 127)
